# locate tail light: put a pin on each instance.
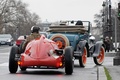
(20, 62)
(59, 62)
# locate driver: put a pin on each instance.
(79, 23)
(34, 34)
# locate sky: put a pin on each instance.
(56, 10)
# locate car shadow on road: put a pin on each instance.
(41, 72)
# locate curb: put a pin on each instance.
(101, 73)
(110, 54)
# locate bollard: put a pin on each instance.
(116, 59)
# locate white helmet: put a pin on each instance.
(92, 38)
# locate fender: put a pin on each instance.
(97, 47)
(80, 48)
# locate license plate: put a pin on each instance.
(2, 42)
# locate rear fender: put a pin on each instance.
(97, 47)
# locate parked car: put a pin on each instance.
(20, 40)
(6, 39)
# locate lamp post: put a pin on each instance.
(115, 17)
(110, 27)
(103, 18)
(110, 20)
(116, 59)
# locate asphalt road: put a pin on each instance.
(90, 72)
(4, 53)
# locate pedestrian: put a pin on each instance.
(107, 43)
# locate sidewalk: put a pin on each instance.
(110, 54)
(114, 71)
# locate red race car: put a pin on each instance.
(41, 53)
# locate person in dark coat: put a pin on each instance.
(107, 43)
(79, 23)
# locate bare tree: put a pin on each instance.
(15, 18)
(98, 19)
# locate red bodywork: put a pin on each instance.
(41, 52)
(20, 40)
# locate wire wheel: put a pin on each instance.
(61, 40)
(100, 58)
(83, 58)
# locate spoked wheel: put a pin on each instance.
(69, 63)
(13, 66)
(100, 58)
(83, 58)
(61, 40)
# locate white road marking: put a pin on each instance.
(4, 53)
(4, 64)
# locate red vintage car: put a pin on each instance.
(20, 40)
(41, 53)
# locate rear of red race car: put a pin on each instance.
(41, 53)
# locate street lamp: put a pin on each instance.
(103, 19)
(103, 4)
(110, 20)
(116, 59)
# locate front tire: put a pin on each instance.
(69, 63)
(100, 58)
(13, 66)
(83, 58)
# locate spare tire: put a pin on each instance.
(61, 40)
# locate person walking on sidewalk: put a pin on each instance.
(107, 43)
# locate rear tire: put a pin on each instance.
(83, 58)
(13, 66)
(100, 58)
(69, 63)
(21, 47)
